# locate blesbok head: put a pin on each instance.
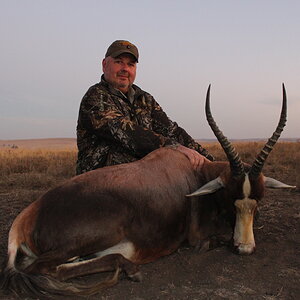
(243, 184)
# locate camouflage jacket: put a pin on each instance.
(114, 129)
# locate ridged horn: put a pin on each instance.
(262, 156)
(236, 165)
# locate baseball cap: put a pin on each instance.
(121, 46)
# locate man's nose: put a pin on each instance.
(125, 67)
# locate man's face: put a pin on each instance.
(120, 72)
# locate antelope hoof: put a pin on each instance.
(244, 249)
(202, 246)
(136, 277)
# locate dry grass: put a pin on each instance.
(35, 169)
(45, 168)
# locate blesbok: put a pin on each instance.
(118, 217)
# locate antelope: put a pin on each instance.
(118, 217)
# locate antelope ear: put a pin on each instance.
(209, 187)
(275, 184)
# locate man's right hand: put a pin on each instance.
(197, 160)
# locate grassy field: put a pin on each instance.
(40, 169)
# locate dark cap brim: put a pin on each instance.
(117, 53)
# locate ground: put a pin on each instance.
(272, 272)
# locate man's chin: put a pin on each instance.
(123, 87)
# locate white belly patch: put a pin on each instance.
(124, 248)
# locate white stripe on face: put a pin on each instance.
(246, 187)
(243, 231)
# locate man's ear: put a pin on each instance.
(103, 64)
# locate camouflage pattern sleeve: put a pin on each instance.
(109, 120)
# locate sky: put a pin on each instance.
(51, 53)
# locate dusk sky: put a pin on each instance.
(51, 53)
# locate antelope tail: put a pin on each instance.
(41, 286)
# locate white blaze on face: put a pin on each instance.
(243, 231)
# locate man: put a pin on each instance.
(119, 123)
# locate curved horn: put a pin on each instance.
(236, 165)
(262, 156)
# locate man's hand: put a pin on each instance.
(196, 159)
